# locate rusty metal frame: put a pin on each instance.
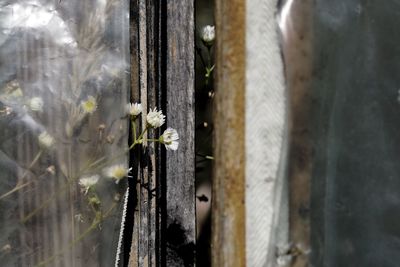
(228, 207)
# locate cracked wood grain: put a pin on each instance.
(180, 165)
(163, 66)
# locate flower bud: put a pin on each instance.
(155, 118)
(36, 104)
(208, 35)
(46, 140)
(134, 109)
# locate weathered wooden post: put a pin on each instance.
(164, 222)
(180, 167)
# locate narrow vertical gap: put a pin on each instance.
(144, 171)
(150, 151)
(158, 151)
(162, 76)
(132, 204)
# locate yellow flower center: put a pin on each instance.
(90, 105)
(119, 173)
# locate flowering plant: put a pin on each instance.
(100, 168)
(207, 37)
(67, 115)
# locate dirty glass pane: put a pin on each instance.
(63, 89)
(356, 142)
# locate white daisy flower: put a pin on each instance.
(12, 90)
(208, 34)
(46, 140)
(134, 109)
(89, 105)
(170, 139)
(88, 182)
(7, 111)
(117, 172)
(36, 104)
(155, 118)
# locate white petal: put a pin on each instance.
(172, 146)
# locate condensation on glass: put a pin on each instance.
(64, 80)
(345, 141)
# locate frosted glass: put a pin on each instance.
(64, 80)
(356, 117)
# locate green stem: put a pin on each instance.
(208, 56)
(64, 188)
(133, 129)
(94, 163)
(205, 156)
(15, 189)
(198, 50)
(209, 67)
(71, 194)
(139, 139)
(19, 184)
(37, 157)
(44, 204)
(142, 134)
(96, 222)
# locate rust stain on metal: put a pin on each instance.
(297, 51)
(229, 170)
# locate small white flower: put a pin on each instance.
(46, 140)
(155, 118)
(36, 104)
(117, 172)
(170, 139)
(51, 169)
(88, 182)
(7, 111)
(208, 34)
(89, 105)
(79, 217)
(12, 90)
(6, 248)
(134, 109)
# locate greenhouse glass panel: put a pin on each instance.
(64, 85)
(355, 181)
